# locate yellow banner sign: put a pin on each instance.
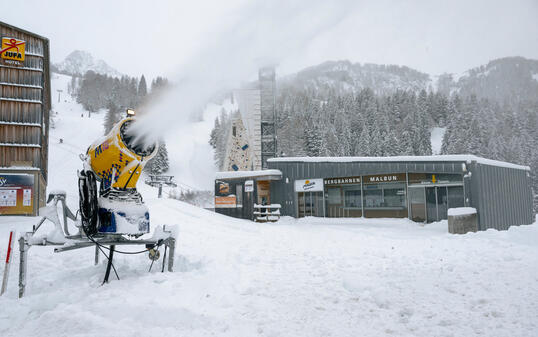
(12, 49)
(226, 202)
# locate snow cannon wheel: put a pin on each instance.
(87, 189)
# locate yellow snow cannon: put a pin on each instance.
(116, 162)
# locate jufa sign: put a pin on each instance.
(12, 49)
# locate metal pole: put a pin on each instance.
(436, 204)
(23, 248)
(66, 228)
(172, 246)
(96, 261)
(160, 195)
(362, 199)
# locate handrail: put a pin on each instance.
(266, 213)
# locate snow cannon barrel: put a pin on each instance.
(118, 158)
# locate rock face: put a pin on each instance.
(79, 62)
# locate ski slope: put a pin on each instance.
(307, 277)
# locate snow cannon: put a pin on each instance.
(115, 162)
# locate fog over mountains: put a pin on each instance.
(500, 79)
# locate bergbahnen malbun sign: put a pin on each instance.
(12, 51)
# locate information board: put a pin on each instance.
(16, 193)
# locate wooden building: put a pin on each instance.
(25, 102)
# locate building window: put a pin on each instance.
(233, 131)
(389, 195)
(239, 195)
(373, 196)
(334, 196)
(352, 196)
(394, 197)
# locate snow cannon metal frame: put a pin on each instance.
(116, 162)
(65, 241)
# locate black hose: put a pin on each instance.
(109, 264)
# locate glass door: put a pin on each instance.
(455, 196)
(417, 202)
(301, 204)
(431, 204)
(309, 203)
(442, 203)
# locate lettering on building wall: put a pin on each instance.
(343, 181)
(12, 51)
(384, 178)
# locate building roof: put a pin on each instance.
(24, 31)
(258, 175)
(467, 158)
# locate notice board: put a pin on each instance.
(16, 193)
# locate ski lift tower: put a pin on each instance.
(266, 78)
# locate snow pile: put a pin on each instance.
(461, 211)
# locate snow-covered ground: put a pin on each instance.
(436, 139)
(307, 277)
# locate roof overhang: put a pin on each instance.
(254, 175)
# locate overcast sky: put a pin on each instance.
(156, 37)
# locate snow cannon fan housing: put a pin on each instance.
(116, 161)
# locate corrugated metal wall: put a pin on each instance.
(501, 195)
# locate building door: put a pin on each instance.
(431, 204)
(442, 203)
(417, 202)
(310, 204)
(301, 204)
(455, 196)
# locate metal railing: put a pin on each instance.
(266, 213)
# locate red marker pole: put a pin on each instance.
(8, 262)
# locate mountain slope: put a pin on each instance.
(347, 76)
(79, 62)
(509, 78)
(512, 78)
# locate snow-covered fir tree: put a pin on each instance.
(160, 163)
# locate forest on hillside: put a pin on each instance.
(399, 123)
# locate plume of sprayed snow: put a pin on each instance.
(260, 34)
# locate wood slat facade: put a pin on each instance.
(25, 103)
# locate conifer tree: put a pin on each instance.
(142, 88)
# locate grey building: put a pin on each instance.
(421, 188)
